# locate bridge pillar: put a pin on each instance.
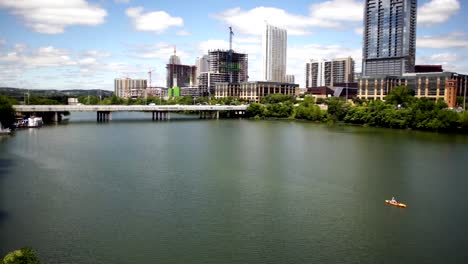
(56, 117)
(168, 116)
(217, 114)
(103, 116)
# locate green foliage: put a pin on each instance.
(337, 109)
(255, 110)
(321, 100)
(308, 101)
(7, 113)
(423, 114)
(279, 110)
(35, 100)
(278, 98)
(310, 112)
(88, 100)
(464, 121)
(21, 256)
(400, 95)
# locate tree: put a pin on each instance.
(400, 95)
(337, 109)
(464, 121)
(21, 256)
(7, 113)
(255, 110)
(278, 98)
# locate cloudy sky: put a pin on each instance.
(85, 44)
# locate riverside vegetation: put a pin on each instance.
(400, 110)
(20, 256)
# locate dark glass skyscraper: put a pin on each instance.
(389, 37)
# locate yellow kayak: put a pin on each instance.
(395, 203)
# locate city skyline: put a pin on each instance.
(87, 44)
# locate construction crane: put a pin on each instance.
(230, 38)
(230, 54)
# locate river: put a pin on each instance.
(232, 191)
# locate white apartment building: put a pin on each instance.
(319, 73)
(274, 46)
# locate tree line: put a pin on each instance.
(400, 110)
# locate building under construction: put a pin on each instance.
(180, 75)
(233, 64)
(224, 66)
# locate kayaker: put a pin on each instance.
(393, 199)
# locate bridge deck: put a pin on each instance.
(127, 108)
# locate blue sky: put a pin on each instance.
(85, 44)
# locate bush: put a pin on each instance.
(21, 256)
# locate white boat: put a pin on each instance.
(3, 131)
(35, 122)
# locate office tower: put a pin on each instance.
(321, 73)
(389, 37)
(274, 45)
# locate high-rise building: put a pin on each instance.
(389, 37)
(224, 66)
(174, 59)
(290, 78)
(202, 66)
(130, 88)
(180, 75)
(321, 73)
(274, 45)
(233, 64)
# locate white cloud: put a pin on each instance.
(42, 57)
(443, 58)
(251, 22)
(437, 11)
(51, 17)
(338, 10)
(24, 67)
(183, 33)
(122, 1)
(161, 51)
(97, 53)
(336, 14)
(156, 22)
(453, 40)
(87, 61)
(359, 31)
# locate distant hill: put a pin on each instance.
(19, 93)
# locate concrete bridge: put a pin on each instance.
(104, 112)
